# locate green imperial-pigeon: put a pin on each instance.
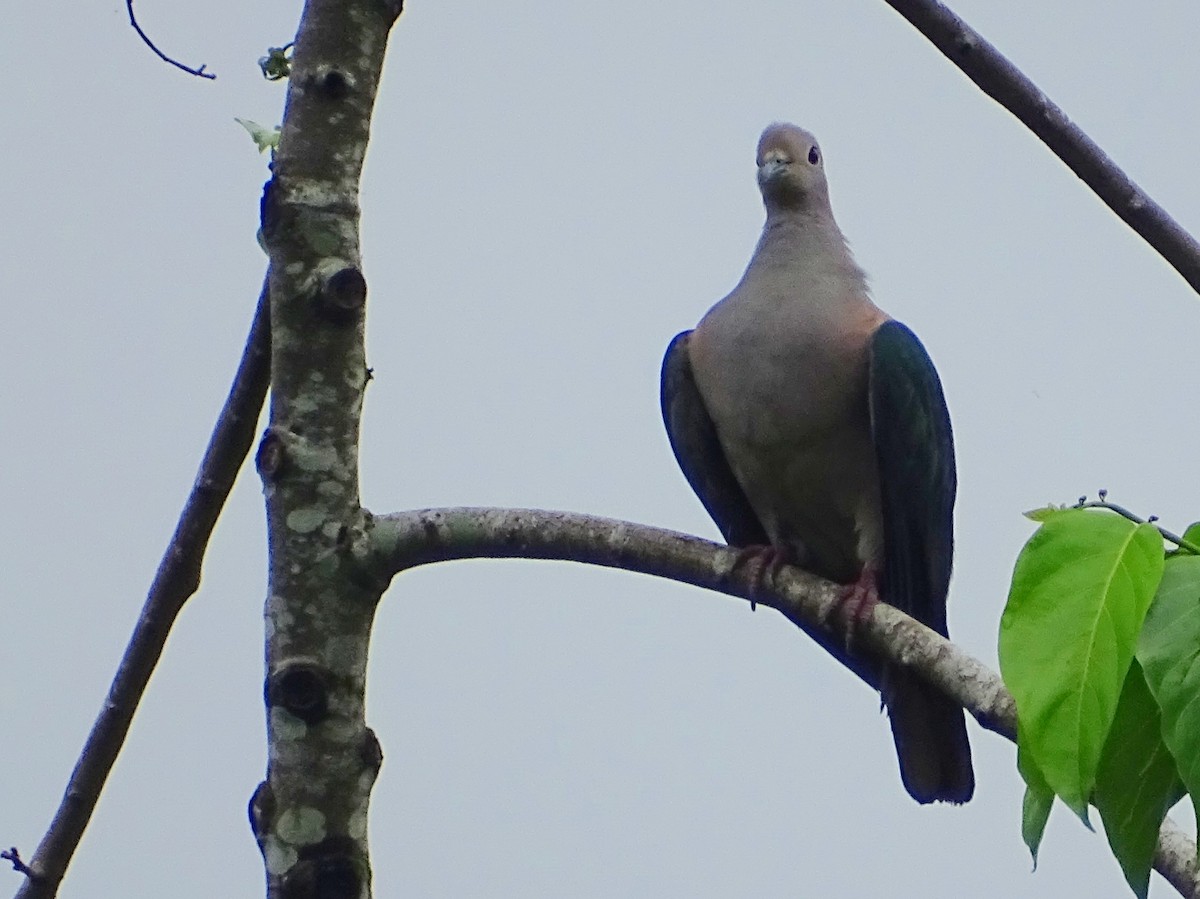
(813, 428)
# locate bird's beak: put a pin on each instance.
(772, 164)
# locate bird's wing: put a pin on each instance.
(914, 447)
(698, 450)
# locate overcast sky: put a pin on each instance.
(554, 189)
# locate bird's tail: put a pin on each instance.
(930, 730)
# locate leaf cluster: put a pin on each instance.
(1100, 647)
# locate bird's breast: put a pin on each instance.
(785, 383)
(773, 372)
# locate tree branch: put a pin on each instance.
(1008, 86)
(199, 73)
(408, 539)
(177, 578)
(309, 815)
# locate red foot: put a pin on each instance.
(857, 601)
(761, 562)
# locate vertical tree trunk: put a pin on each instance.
(310, 814)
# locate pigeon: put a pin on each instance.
(814, 430)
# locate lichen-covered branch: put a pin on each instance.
(408, 539)
(310, 814)
(1175, 859)
(177, 578)
(1008, 86)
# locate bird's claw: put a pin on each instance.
(855, 602)
(760, 562)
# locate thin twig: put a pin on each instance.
(199, 73)
(13, 856)
(1169, 536)
(1008, 86)
(177, 578)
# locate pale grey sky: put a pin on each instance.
(552, 191)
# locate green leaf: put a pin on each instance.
(1035, 812)
(1191, 536)
(264, 138)
(1079, 594)
(1035, 808)
(277, 64)
(1137, 782)
(1042, 514)
(1169, 651)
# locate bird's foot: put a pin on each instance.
(856, 601)
(760, 562)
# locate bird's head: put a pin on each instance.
(791, 169)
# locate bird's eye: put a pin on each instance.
(813, 156)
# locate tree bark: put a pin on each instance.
(310, 814)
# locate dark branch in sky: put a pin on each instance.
(1007, 85)
(199, 73)
(177, 578)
